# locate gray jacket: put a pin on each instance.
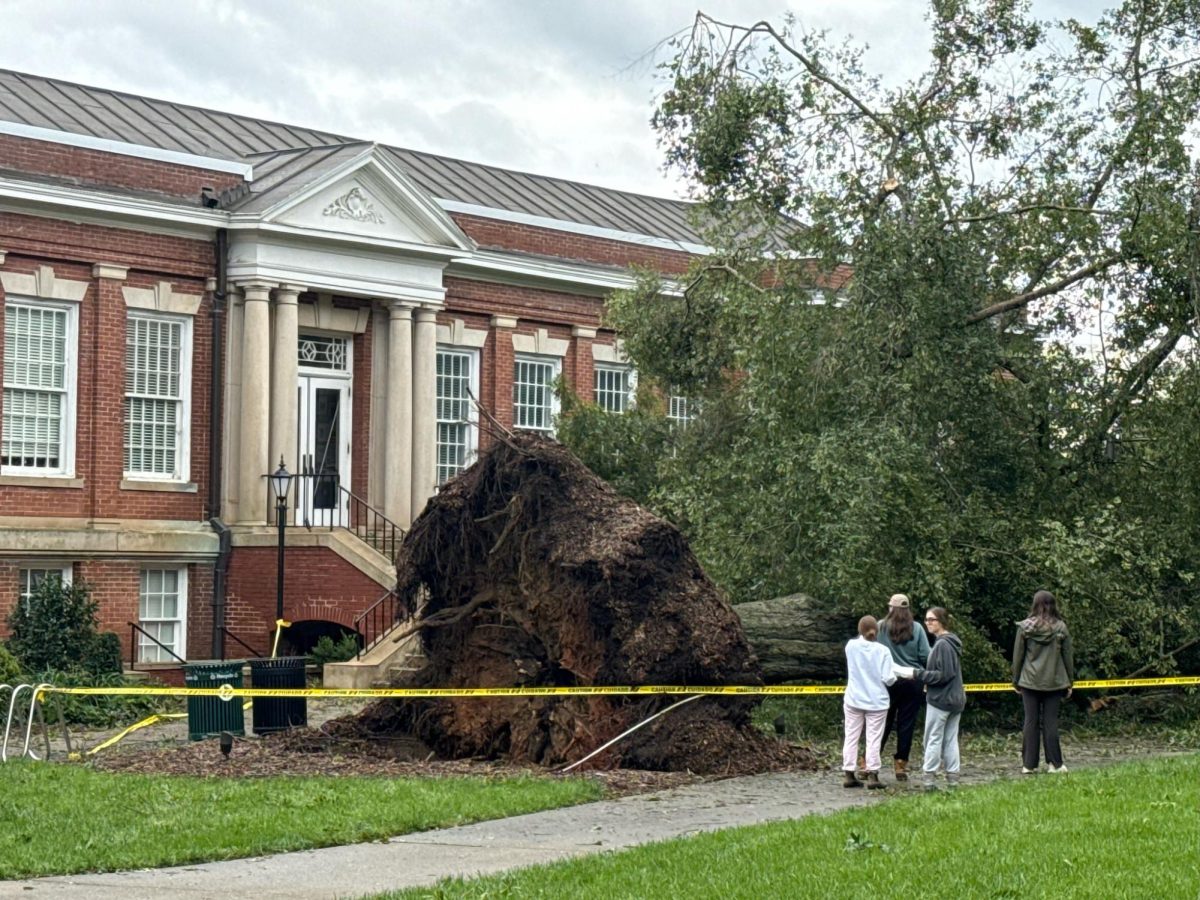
(1042, 656)
(943, 676)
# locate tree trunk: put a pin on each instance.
(796, 639)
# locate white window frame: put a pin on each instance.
(180, 618)
(70, 389)
(183, 424)
(471, 449)
(689, 406)
(555, 365)
(25, 585)
(630, 373)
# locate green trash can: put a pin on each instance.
(209, 716)
(278, 713)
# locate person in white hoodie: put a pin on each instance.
(869, 671)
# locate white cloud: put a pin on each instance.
(558, 88)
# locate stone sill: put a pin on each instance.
(173, 487)
(39, 481)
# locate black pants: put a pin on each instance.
(906, 701)
(1041, 718)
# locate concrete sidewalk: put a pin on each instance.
(427, 857)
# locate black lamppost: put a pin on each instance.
(280, 481)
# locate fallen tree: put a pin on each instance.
(795, 639)
(531, 571)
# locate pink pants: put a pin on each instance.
(856, 720)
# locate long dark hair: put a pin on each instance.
(900, 624)
(1045, 609)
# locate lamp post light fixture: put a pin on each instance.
(280, 482)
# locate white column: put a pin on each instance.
(283, 378)
(397, 478)
(424, 423)
(256, 353)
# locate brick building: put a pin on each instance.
(188, 297)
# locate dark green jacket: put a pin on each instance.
(1042, 657)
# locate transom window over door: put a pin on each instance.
(157, 376)
(457, 439)
(320, 351)
(39, 386)
(534, 403)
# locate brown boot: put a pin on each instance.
(850, 781)
(901, 769)
(873, 782)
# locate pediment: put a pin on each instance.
(370, 199)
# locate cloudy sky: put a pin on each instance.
(558, 87)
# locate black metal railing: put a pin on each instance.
(319, 500)
(233, 637)
(378, 620)
(134, 630)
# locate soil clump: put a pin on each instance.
(529, 570)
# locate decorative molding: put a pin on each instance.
(324, 315)
(1, 257)
(504, 321)
(44, 285)
(610, 353)
(457, 334)
(356, 206)
(581, 331)
(110, 271)
(540, 343)
(162, 298)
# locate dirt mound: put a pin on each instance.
(534, 572)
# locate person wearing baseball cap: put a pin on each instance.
(909, 647)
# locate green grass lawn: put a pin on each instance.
(1127, 831)
(59, 819)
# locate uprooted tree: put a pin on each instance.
(531, 571)
(971, 371)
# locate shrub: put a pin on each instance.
(96, 710)
(56, 629)
(327, 650)
(10, 668)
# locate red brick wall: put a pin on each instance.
(318, 584)
(115, 585)
(100, 366)
(499, 235)
(96, 167)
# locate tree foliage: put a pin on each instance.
(945, 338)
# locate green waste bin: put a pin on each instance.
(209, 716)
(278, 713)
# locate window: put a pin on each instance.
(681, 410)
(534, 403)
(614, 387)
(39, 388)
(157, 377)
(457, 435)
(162, 613)
(29, 579)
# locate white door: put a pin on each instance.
(324, 446)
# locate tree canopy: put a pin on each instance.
(945, 341)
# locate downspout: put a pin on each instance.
(216, 447)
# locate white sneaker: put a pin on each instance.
(1025, 771)
(1061, 770)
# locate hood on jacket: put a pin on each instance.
(1042, 632)
(954, 639)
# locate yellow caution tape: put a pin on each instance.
(149, 720)
(228, 692)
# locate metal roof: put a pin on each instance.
(113, 115)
